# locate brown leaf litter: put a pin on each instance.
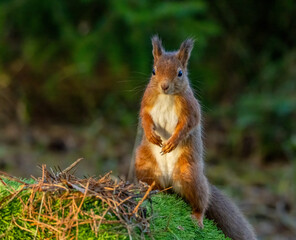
(118, 197)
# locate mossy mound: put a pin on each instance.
(167, 215)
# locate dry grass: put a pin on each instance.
(116, 197)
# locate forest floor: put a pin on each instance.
(263, 191)
(60, 205)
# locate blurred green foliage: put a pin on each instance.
(73, 57)
(71, 61)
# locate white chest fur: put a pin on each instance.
(165, 119)
(164, 116)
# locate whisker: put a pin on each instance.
(142, 73)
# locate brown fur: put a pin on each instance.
(147, 170)
(188, 177)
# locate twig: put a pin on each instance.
(41, 205)
(25, 229)
(66, 170)
(12, 178)
(145, 196)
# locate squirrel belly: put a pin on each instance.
(165, 119)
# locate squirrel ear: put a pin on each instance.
(185, 49)
(157, 47)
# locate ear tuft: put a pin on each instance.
(185, 50)
(157, 47)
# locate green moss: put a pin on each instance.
(170, 219)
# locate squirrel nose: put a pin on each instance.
(165, 86)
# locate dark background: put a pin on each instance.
(72, 74)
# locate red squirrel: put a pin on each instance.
(171, 151)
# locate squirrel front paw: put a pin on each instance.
(169, 146)
(154, 138)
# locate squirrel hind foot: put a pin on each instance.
(198, 216)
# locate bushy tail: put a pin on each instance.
(228, 217)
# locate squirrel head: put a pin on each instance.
(169, 74)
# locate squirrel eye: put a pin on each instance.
(153, 71)
(180, 73)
